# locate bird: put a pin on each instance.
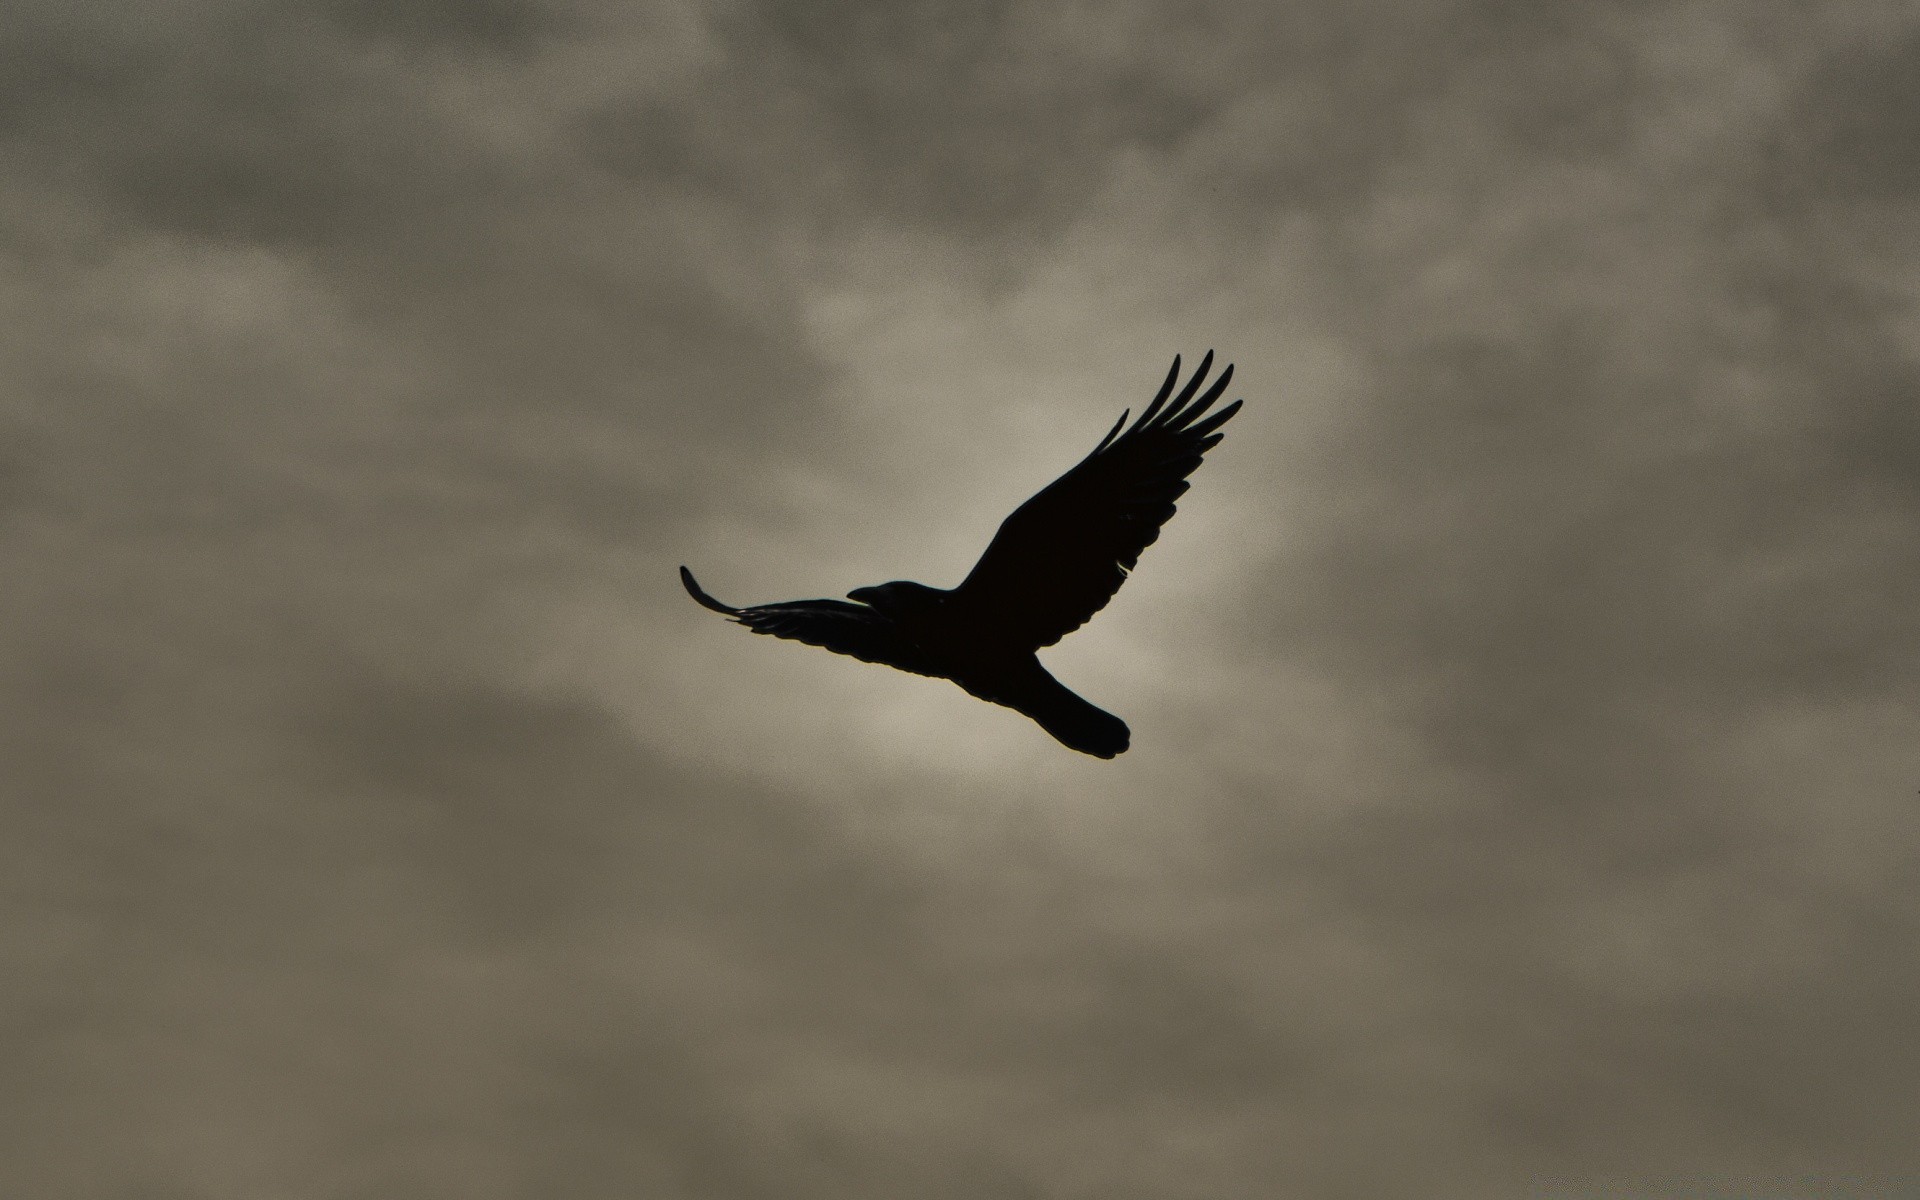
(1054, 562)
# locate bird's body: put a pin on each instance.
(1053, 564)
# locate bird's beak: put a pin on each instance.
(862, 594)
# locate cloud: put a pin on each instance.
(1523, 770)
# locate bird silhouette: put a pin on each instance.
(1054, 563)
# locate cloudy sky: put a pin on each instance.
(1523, 794)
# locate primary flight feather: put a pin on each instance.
(1053, 564)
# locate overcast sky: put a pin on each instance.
(1523, 800)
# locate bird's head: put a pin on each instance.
(897, 597)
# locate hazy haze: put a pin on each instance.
(1523, 793)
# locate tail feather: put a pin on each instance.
(1072, 721)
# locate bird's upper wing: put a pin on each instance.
(840, 626)
(1063, 554)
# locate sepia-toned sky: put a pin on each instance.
(1525, 792)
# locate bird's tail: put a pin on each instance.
(1070, 719)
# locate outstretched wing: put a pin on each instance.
(1063, 554)
(844, 628)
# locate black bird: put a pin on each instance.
(1054, 563)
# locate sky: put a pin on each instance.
(1524, 798)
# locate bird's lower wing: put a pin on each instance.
(843, 627)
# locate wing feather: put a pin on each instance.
(856, 630)
(1063, 554)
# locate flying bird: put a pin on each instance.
(1053, 564)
